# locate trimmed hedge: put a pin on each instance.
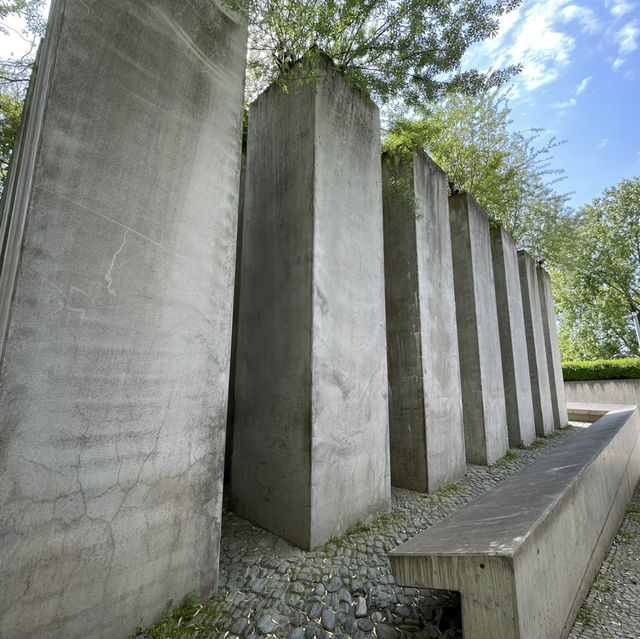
(601, 369)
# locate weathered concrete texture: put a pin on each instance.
(538, 368)
(606, 391)
(552, 349)
(425, 401)
(513, 341)
(483, 402)
(116, 353)
(524, 555)
(311, 451)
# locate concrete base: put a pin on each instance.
(552, 348)
(425, 404)
(536, 348)
(119, 276)
(524, 555)
(513, 340)
(311, 448)
(483, 403)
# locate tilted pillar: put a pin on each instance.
(513, 340)
(552, 347)
(484, 410)
(310, 449)
(538, 368)
(117, 287)
(425, 401)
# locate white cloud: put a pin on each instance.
(602, 144)
(537, 36)
(617, 63)
(619, 7)
(583, 85)
(627, 38)
(586, 17)
(565, 105)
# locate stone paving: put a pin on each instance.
(345, 589)
(612, 607)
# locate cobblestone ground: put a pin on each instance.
(345, 589)
(612, 607)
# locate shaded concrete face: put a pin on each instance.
(620, 391)
(513, 341)
(115, 368)
(310, 453)
(552, 349)
(425, 405)
(538, 368)
(484, 411)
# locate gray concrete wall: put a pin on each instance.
(513, 341)
(425, 401)
(552, 349)
(483, 402)
(606, 391)
(116, 352)
(538, 369)
(311, 451)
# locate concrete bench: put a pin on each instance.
(524, 555)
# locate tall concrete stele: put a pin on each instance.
(538, 368)
(483, 402)
(552, 348)
(513, 340)
(118, 236)
(310, 451)
(425, 401)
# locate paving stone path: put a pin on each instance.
(345, 589)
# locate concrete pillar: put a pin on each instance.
(117, 288)
(425, 401)
(483, 403)
(552, 348)
(311, 450)
(538, 369)
(513, 340)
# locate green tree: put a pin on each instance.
(597, 285)
(508, 172)
(15, 73)
(408, 49)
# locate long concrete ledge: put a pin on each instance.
(524, 554)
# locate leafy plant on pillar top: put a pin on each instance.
(390, 49)
(507, 172)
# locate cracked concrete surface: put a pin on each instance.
(115, 362)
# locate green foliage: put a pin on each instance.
(10, 114)
(409, 49)
(597, 283)
(507, 173)
(15, 74)
(186, 621)
(601, 369)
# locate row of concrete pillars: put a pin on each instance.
(385, 334)
(118, 235)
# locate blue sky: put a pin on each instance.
(580, 82)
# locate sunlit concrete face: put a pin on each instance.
(117, 291)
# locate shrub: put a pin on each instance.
(601, 369)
